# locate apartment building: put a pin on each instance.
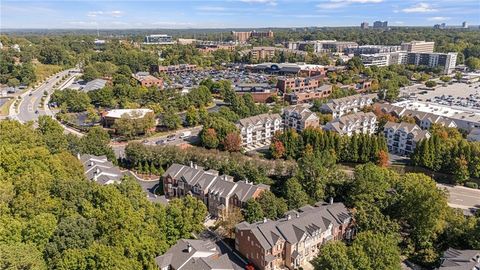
(300, 117)
(173, 69)
(380, 24)
(293, 241)
(402, 138)
(446, 61)
(287, 84)
(372, 49)
(243, 37)
(99, 170)
(158, 40)
(262, 53)
(358, 123)
(309, 95)
(189, 254)
(364, 25)
(219, 192)
(418, 46)
(147, 80)
(351, 104)
(257, 131)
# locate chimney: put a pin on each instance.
(477, 258)
(195, 165)
(97, 171)
(91, 163)
(265, 220)
(191, 164)
(189, 248)
(298, 215)
(330, 200)
(289, 217)
(78, 156)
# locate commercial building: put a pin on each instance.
(351, 104)
(364, 25)
(147, 80)
(293, 241)
(454, 259)
(464, 25)
(109, 117)
(158, 40)
(299, 117)
(261, 92)
(466, 119)
(307, 96)
(257, 131)
(94, 85)
(418, 46)
(402, 138)
(98, 169)
(289, 69)
(243, 37)
(219, 192)
(358, 123)
(286, 84)
(380, 24)
(189, 254)
(173, 69)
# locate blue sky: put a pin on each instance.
(231, 13)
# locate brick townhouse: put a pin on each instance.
(219, 192)
(294, 240)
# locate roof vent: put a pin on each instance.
(189, 248)
(265, 220)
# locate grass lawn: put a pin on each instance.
(44, 71)
(4, 109)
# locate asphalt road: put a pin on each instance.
(119, 149)
(462, 197)
(32, 103)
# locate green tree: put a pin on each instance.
(192, 117)
(253, 211)
(171, 120)
(333, 256)
(295, 195)
(209, 138)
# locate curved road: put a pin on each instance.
(31, 107)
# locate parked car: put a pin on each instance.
(160, 142)
(185, 134)
(171, 137)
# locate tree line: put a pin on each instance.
(53, 218)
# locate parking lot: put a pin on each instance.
(192, 79)
(455, 94)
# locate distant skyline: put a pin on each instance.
(181, 14)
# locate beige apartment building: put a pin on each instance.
(418, 46)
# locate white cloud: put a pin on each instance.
(332, 4)
(113, 13)
(419, 8)
(438, 18)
